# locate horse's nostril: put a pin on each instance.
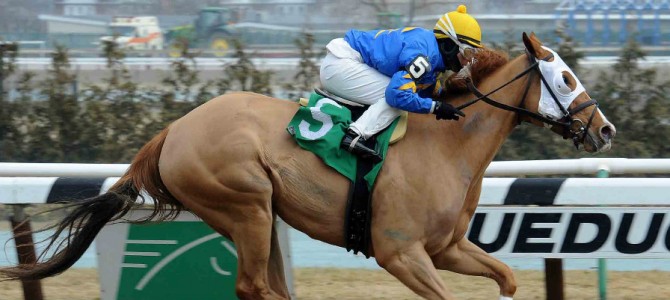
(607, 133)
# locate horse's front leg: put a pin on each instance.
(414, 268)
(464, 257)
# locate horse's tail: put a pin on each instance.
(89, 216)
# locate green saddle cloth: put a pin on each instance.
(320, 126)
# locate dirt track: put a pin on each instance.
(317, 283)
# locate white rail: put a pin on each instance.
(579, 166)
(290, 61)
(495, 191)
(496, 169)
(61, 170)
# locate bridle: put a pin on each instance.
(571, 127)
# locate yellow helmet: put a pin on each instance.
(459, 24)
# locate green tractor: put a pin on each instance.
(210, 31)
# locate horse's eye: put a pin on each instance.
(562, 84)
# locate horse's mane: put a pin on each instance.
(487, 61)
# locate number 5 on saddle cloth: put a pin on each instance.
(318, 126)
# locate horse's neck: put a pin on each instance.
(485, 128)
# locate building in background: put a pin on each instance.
(592, 23)
(611, 22)
(81, 23)
(77, 7)
(74, 8)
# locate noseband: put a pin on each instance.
(571, 127)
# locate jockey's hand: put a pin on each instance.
(446, 111)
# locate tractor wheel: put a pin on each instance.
(219, 46)
(175, 49)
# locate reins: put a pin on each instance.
(571, 127)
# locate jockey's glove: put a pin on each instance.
(446, 111)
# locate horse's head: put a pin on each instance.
(563, 102)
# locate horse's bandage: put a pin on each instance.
(553, 73)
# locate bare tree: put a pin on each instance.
(20, 16)
(408, 8)
(418, 5)
(377, 5)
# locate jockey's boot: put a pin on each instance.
(353, 143)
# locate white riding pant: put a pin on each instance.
(344, 74)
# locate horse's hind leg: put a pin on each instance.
(241, 210)
(253, 241)
(464, 257)
(259, 269)
(276, 267)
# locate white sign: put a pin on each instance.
(572, 232)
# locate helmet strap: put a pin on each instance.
(451, 32)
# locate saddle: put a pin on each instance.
(357, 109)
(358, 213)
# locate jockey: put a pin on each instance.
(395, 70)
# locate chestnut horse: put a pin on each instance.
(232, 163)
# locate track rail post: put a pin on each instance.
(603, 172)
(25, 250)
(553, 278)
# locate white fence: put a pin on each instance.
(517, 217)
(495, 191)
(497, 168)
(579, 166)
(633, 212)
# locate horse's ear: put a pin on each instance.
(527, 43)
(534, 45)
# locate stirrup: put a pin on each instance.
(352, 143)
